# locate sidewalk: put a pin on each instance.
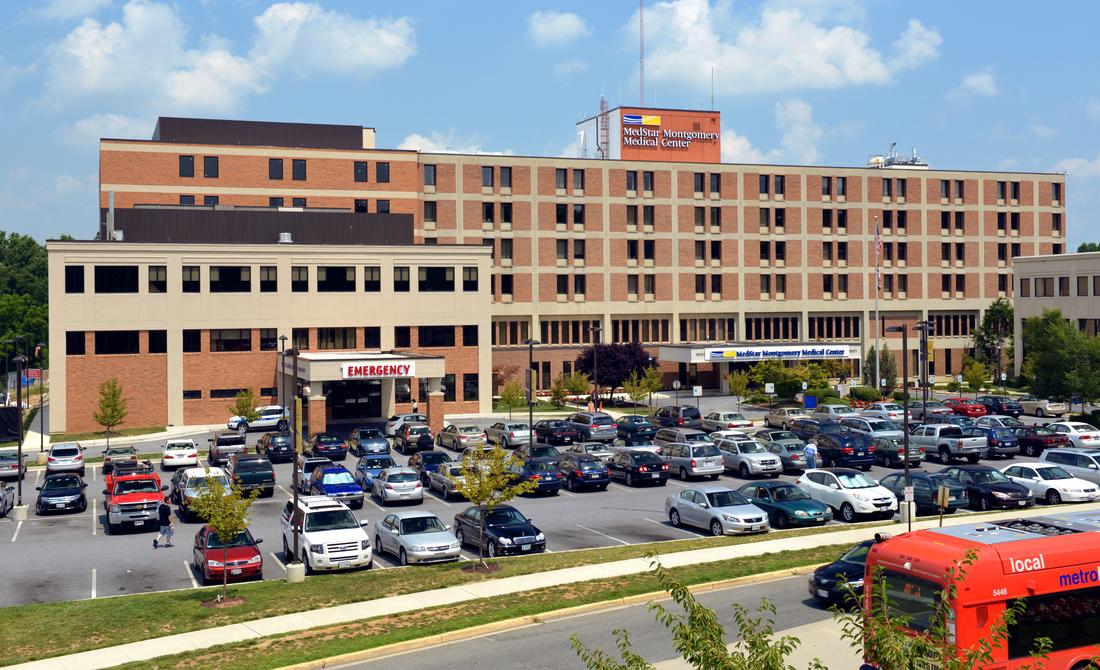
(288, 623)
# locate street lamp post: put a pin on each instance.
(595, 329)
(531, 392)
(295, 440)
(908, 514)
(282, 374)
(19, 361)
(41, 351)
(651, 363)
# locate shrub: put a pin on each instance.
(1091, 419)
(953, 386)
(865, 393)
(759, 398)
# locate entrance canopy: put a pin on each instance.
(749, 353)
(338, 366)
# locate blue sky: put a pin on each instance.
(1011, 85)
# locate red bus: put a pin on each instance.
(1052, 562)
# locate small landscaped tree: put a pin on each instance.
(558, 392)
(244, 405)
(577, 383)
(975, 373)
(889, 367)
(225, 511)
(488, 481)
(636, 388)
(738, 382)
(112, 410)
(512, 395)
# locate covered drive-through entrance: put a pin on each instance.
(729, 355)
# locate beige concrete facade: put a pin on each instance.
(1069, 283)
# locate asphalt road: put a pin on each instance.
(546, 646)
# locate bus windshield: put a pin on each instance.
(911, 597)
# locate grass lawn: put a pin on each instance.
(92, 624)
(125, 432)
(519, 412)
(326, 641)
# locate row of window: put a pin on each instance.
(276, 171)
(402, 390)
(1045, 286)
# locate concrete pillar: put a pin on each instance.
(388, 404)
(316, 413)
(435, 404)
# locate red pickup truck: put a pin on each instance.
(132, 498)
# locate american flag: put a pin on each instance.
(878, 255)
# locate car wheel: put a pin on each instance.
(983, 504)
(305, 561)
(82, 473)
(461, 537)
(281, 426)
(492, 551)
(569, 486)
(629, 479)
(743, 471)
(1039, 412)
(974, 458)
(203, 580)
(403, 557)
(683, 474)
(847, 512)
(1053, 497)
(865, 468)
(945, 455)
(242, 428)
(674, 518)
(286, 550)
(781, 521)
(716, 528)
(1029, 450)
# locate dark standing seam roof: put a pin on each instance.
(258, 133)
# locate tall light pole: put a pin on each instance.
(19, 361)
(925, 329)
(595, 330)
(652, 362)
(908, 515)
(41, 351)
(531, 393)
(282, 374)
(295, 439)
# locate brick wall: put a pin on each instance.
(143, 377)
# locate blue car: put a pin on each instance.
(999, 441)
(428, 461)
(579, 471)
(838, 446)
(368, 468)
(337, 483)
(543, 471)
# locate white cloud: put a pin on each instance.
(799, 136)
(69, 9)
(571, 150)
(9, 74)
(87, 131)
(788, 46)
(983, 83)
(1092, 108)
(445, 142)
(837, 11)
(548, 28)
(1041, 131)
(1079, 167)
(739, 149)
(569, 67)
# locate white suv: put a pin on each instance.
(848, 492)
(330, 537)
(271, 417)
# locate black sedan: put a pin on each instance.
(841, 582)
(804, 429)
(926, 489)
(634, 427)
(507, 531)
(328, 445)
(278, 447)
(1000, 404)
(581, 471)
(554, 431)
(61, 492)
(988, 488)
(542, 471)
(637, 467)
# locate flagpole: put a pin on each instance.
(878, 322)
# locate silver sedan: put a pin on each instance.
(718, 509)
(416, 537)
(398, 484)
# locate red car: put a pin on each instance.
(964, 407)
(241, 556)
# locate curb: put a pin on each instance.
(463, 634)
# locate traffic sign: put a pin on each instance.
(697, 391)
(676, 385)
(909, 496)
(769, 387)
(805, 386)
(1004, 376)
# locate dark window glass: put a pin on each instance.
(269, 339)
(224, 394)
(74, 343)
(335, 279)
(506, 212)
(560, 178)
(230, 279)
(298, 169)
(300, 338)
(299, 279)
(361, 205)
(231, 339)
(764, 184)
(780, 184)
(402, 390)
(297, 202)
(578, 214)
(469, 336)
(190, 278)
(631, 180)
(449, 388)
(506, 177)
(470, 386)
(506, 283)
(210, 167)
(158, 341)
(430, 209)
(561, 214)
(372, 337)
(192, 341)
(187, 166)
(436, 336)
(192, 395)
(401, 279)
(335, 338)
(274, 168)
(275, 202)
(578, 180)
(382, 173)
(210, 200)
(402, 336)
(74, 278)
(488, 212)
(436, 279)
(383, 206)
(360, 170)
(269, 279)
(372, 279)
(469, 279)
(429, 175)
(108, 342)
(158, 279)
(579, 284)
(116, 279)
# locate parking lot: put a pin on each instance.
(71, 557)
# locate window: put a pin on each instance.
(561, 214)
(901, 188)
(158, 279)
(700, 250)
(111, 342)
(488, 212)
(649, 249)
(764, 184)
(1056, 222)
(506, 284)
(192, 341)
(190, 277)
(648, 213)
(578, 215)
(230, 279)
(383, 206)
(429, 175)
(887, 187)
(765, 250)
(781, 283)
(562, 282)
(960, 283)
(298, 169)
(437, 279)
(486, 176)
(560, 178)
(275, 168)
(187, 166)
(74, 343)
(231, 339)
(74, 278)
(1015, 190)
(716, 250)
(1063, 287)
(187, 199)
(362, 205)
(716, 284)
(649, 284)
(372, 337)
(827, 251)
(580, 284)
(448, 388)
(469, 336)
(299, 279)
(826, 186)
(715, 217)
(945, 189)
(116, 279)
(210, 200)
(578, 180)
(158, 341)
(1067, 619)
(300, 338)
(335, 338)
(506, 177)
(781, 250)
(631, 180)
(958, 189)
(765, 218)
(1082, 286)
(827, 220)
(297, 202)
(335, 279)
(1002, 190)
(470, 392)
(210, 167)
(841, 186)
(469, 279)
(506, 249)
(506, 212)
(632, 216)
(700, 217)
(632, 285)
(1056, 189)
(700, 181)
(402, 336)
(278, 202)
(578, 250)
(700, 284)
(827, 284)
(647, 181)
(372, 279)
(382, 173)
(436, 336)
(780, 184)
(269, 339)
(780, 218)
(360, 171)
(903, 252)
(401, 279)
(841, 220)
(1025, 288)
(224, 394)
(716, 184)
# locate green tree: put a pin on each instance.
(1059, 359)
(975, 374)
(558, 391)
(512, 395)
(244, 405)
(991, 334)
(487, 481)
(738, 382)
(1087, 247)
(613, 363)
(635, 387)
(112, 410)
(23, 267)
(225, 511)
(868, 372)
(889, 367)
(770, 370)
(578, 383)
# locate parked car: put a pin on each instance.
(786, 505)
(748, 458)
(1080, 434)
(508, 434)
(998, 421)
(834, 412)
(426, 461)
(781, 417)
(398, 484)
(889, 450)
(112, 455)
(527, 452)
(446, 479)
(61, 492)
(926, 489)
(278, 447)
(1035, 439)
(179, 454)
(555, 431)
(841, 582)
(328, 445)
(721, 510)
(507, 531)
(269, 417)
(582, 471)
(188, 483)
(998, 441)
(337, 483)
(679, 416)
(363, 441)
(1000, 405)
(889, 411)
(693, 460)
(965, 407)
(543, 471)
(634, 427)
(132, 497)
(7, 498)
(637, 445)
(667, 436)
(459, 437)
(849, 493)
(635, 467)
(839, 446)
(1042, 407)
(596, 449)
(416, 536)
(330, 537)
(594, 426)
(947, 442)
(988, 488)
(11, 467)
(368, 467)
(397, 420)
(785, 445)
(65, 457)
(725, 420)
(804, 429)
(213, 557)
(921, 411)
(871, 426)
(950, 419)
(1081, 463)
(413, 437)
(223, 446)
(252, 472)
(1051, 483)
(306, 466)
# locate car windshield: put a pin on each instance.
(833, 428)
(933, 404)
(889, 442)
(750, 448)
(639, 421)
(370, 434)
(705, 450)
(422, 524)
(988, 476)
(199, 482)
(311, 465)
(538, 452)
(556, 425)
(726, 499)
(541, 466)
(855, 480)
(696, 438)
(1009, 422)
(419, 430)
(891, 407)
(881, 425)
(591, 465)
(857, 554)
(434, 457)
(65, 452)
(336, 478)
(504, 517)
(602, 421)
(378, 463)
(1045, 431)
(1003, 434)
(951, 431)
(594, 449)
(12, 457)
(329, 439)
(136, 486)
(690, 413)
(402, 477)
(511, 426)
(784, 493)
(230, 440)
(333, 519)
(253, 464)
(239, 540)
(177, 446)
(1054, 473)
(455, 471)
(647, 458)
(62, 482)
(470, 430)
(119, 451)
(735, 417)
(782, 435)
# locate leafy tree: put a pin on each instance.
(1087, 247)
(1059, 359)
(558, 391)
(487, 481)
(837, 367)
(738, 382)
(990, 335)
(225, 511)
(889, 367)
(787, 389)
(112, 407)
(975, 373)
(653, 380)
(770, 370)
(245, 405)
(869, 368)
(611, 364)
(22, 315)
(636, 387)
(577, 383)
(503, 373)
(23, 267)
(512, 395)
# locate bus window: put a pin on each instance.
(912, 597)
(1069, 620)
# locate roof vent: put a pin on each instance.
(117, 235)
(285, 238)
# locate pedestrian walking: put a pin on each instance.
(810, 453)
(416, 407)
(166, 532)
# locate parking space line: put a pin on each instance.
(669, 525)
(17, 527)
(280, 563)
(93, 582)
(590, 530)
(567, 493)
(370, 499)
(38, 478)
(623, 487)
(288, 494)
(190, 575)
(95, 477)
(95, 520)
(680, 484)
